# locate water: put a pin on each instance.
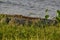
(32, 8)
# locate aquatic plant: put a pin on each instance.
(58, 16)
(46, 16)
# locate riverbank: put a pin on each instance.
(25, 28)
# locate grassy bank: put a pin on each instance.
(13, 31)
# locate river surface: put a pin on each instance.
(31, 8)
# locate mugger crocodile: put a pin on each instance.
(19, 19)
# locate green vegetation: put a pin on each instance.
(46, 16)
(58, 15)
(12, 31)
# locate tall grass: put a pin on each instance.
(14, 32)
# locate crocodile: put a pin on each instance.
(20, 19)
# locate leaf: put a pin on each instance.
(58, 11)
(46, 10)
(58, 19)
(46, 16)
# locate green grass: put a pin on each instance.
(20, 32)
